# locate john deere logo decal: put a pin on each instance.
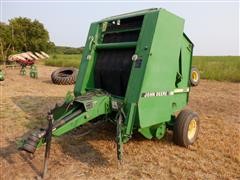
(156, 94)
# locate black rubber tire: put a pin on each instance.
(195, 79)
(180, 129)
(64, 76)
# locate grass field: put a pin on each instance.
(221, 68)
(64, 60)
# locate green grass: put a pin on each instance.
(63, 60)
(220, 68)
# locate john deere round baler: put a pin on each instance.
(135, 70)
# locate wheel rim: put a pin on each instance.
(194, 76)
(192, 128)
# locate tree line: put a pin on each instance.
(67, 50)
(22, 34)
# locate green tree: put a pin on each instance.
(29, 35)
(5, 41)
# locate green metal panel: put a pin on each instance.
(87, 62)
(161, 71)
(143, 51)
(181, 99)
(137, 74)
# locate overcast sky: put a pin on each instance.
(212, 26)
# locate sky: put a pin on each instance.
(213, 26)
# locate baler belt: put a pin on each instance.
(112, 70)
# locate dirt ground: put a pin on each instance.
(215, 155)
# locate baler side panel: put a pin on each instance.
(84, 78)
(137, 74)
(161, 71)
(181, 99)
(142, 50)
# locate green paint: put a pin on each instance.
(116, 45)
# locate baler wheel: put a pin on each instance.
(64, 76)
(186, 128)
(195, 76)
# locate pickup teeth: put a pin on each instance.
(31, 142)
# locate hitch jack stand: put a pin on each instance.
(119, 138)
(48, 143)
